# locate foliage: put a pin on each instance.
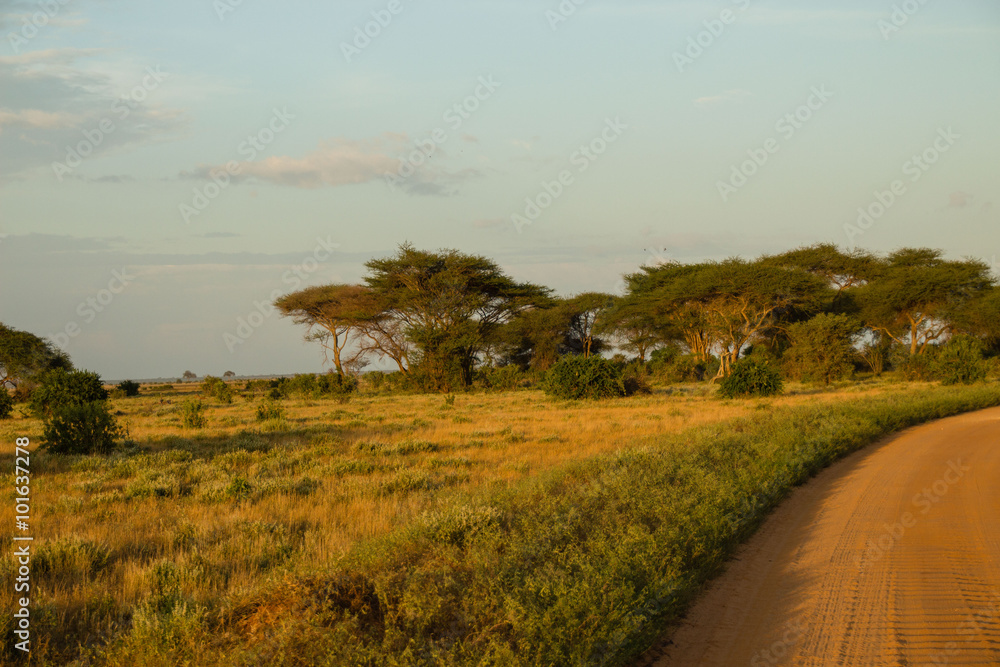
(750, 377)
(59, 388)
(577, 377)
(269, 410)
(81, 428)
(961, 361)
(821, 348)
(218, 389)
(193, 414)
(6, 403)
(129, 388)
(917, 296)
(450, 306)
(25, 356)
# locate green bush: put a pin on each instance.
(60, 388)
(6, 403)
(84, 428)
(961, 361)
(578, 377)
(269, 410)
(193, 414)
(129, 388)
(750, 377)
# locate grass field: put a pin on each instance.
(339, 531)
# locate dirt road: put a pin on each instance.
(890, 557)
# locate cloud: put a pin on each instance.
(735, 96)
(340, 162)
(53, 96)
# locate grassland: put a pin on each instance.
(484, 529)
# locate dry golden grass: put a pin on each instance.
(205, 515)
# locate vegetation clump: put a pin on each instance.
(750, 377)
(585, 377)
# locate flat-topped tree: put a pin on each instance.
(336, 317)
(24, 357)
(918, 297)
(450, 306)
(843, 270)
(650, 303)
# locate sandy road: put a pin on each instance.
(889, 557)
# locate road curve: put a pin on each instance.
(889, 557)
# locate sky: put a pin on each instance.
(167, 169)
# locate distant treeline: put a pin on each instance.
(443, 316)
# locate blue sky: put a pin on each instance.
(163, 96)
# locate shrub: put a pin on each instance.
(750, 377)
(6, 403)
(269, 410)
(636, 380)
(961, 361)
(193, 414)
(914, 367)
(85, 428)
(60, 388)
(129, 388)
(578, 377)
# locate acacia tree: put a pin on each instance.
(24, 357)
(844, 271)
(635, 329)
(450, 306)
(585, 312)
(919, 296)
(333, 315)
(652, 301)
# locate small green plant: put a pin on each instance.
(269, 410)
(129, 388)
(961, 361)
(6, 403)
(193, 414)
(87, 428)
(449, 400)
(750, 377)
(578, 377)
